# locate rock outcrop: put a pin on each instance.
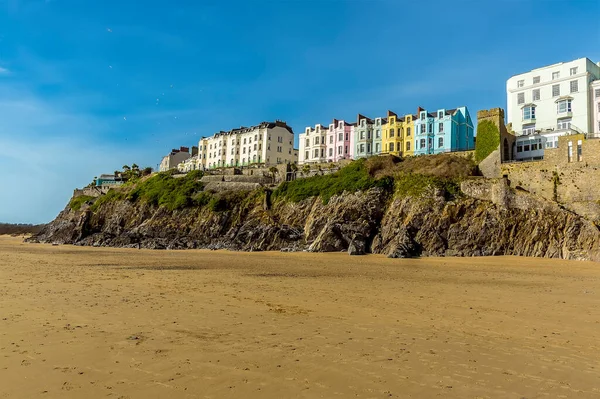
(490, 219)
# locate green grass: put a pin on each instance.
(416, 185)
(112, 195)
(77, 202)
(164, 190)
(352, 178)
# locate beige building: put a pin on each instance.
(313, 146)
(172, 160)
(268, 143)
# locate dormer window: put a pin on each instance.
(440, 114)
(422, 116)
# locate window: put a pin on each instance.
(598, 107)
(377, 147)
(254, 147)
(391, 132)
(368, 135)
(528, 129)
(244, 140)
(535, 95)
(521, 98)
(597, 93)
(430, 128)
(306, 155)
(331, 152)
(555, 75)
(346, 136)
(423, 128)
(534, 147)
(570, 155)
(519, 148)
(322, 152)
(440, 115)
(573, 71)
(408, 131)
(563, 106)
(422, 143)
(307, 143)
(564, 124)
(340, 136)
(316, 152)
(526, 147)
(362, 135)
(430, 143)
(536, 79)
(391, 147)
(368, 147)
(244, 150)
(422, 116)
(528, 113)
(408, 146)
(574, 86)
(340, 150)
(345, 149)
(579, 150)
(330, 139)
(316, 140)
(323, 140)
(440, 142)
(249, 139)
(362, 148)
(378, 134)
(520, 83)
(555, 90)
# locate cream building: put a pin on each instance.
(312, 145)
(268, 143)
(548, 102)
(595, 94)
(174, 158)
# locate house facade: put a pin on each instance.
(595, 96)
(554, 98)
(363, 137)
(443, 131)
(174, 158)
(313, 145)
(268, 143)
(340, 140)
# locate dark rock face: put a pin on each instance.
(509, 224)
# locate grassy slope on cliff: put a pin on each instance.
(410, 176)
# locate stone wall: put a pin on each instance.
(571, 184)
(490, 166)
(90, 191)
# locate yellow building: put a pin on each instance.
(391, 142)
(407, 130)
(398, 135)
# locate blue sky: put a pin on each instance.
(87, 86)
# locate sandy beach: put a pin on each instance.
(99, 322)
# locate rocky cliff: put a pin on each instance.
(487, 218)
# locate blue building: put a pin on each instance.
(444, 130)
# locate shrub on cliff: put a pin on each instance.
(352, 178)
(488, 140)
(416, 185)
(165, 190)
(77, 202)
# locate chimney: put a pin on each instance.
(419, 110)
(390, 113)
(194, 150)
(184, 149)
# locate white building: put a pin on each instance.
(549, 102)
(174, 158)
(188, 165)
(269, 143)
(313, 148)
(595, 94)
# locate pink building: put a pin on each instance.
(340, 141)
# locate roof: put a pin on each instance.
(261, 125)
(553, 65)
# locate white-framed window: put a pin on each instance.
(521, 98)
(573, 71)
(555, 75)
(408, 146)
(368, 147)
(362, 134)
(340, 150)
(597, 93)
(440, 142)
(440, 115)
(330, 139)
(528, 129)
(520, 83)
(423, 128)
(307, 142)
(340, 136)
(528, 112)
(392, 133)
(555, 90)
(422, 143)
(563, 124)
(362, 148)
(345, 149)
(536, 79)
(535, 95)
(378, 134)
(430, 128)
(563, 106)
(441, 127)
(377, 147)
(598, 108)
(422, 116)
(331, 152)
(306, 155)
(408, 131)
(574, 86)
(391, 147)
(316, 152)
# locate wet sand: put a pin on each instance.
(99, 322)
